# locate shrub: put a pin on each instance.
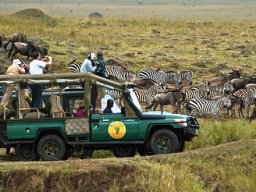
(95, 14)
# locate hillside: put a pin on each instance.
(227, 167)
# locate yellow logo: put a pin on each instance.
(116, 130)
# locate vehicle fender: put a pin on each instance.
(42, 131)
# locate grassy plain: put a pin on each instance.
(207, 46)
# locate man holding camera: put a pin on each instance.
(15, 69)
(37, 67)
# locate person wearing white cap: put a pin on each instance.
(15, 69)
(87, 65)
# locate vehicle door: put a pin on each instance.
(113, 127)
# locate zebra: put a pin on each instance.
(116, 95)
(200, 91)
(146, 95)
(161, 76)
(221, 89)
(204, 106)
(118, 74)
(74, 66)
(247, 98)
(143, 95)
(183, 76)
(203, 85)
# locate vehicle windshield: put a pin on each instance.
(135, 100)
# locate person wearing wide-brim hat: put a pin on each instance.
(15, 69)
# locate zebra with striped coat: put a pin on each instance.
(143, 95)
(221, 89)
(200, 91)
(146, 95)
(161, 76)
(247, 98)
(201, 106)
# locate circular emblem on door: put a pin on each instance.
(116, 130)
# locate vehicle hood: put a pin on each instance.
(166, 114)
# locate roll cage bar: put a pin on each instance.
(87, 80)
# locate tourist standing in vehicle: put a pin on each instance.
(89, 64)
(110, 104)
(100, 71)
(37, 67)
(101, 65)
(15, 69)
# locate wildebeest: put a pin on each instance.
(173, 98)
(142, 83)
(28, 49)
(226, 76)
(17, 37)
(240, 83)
(250, 86)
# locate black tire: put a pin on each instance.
(124, 151)
(51, 148)
(25, 152)
(164, 141)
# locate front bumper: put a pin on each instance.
(192, 128)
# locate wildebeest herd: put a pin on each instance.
(230, 91)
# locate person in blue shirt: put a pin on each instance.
(110, 104)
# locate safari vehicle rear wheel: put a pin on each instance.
(124, 151)
(164, 141)
(25, 152)
(51, 148)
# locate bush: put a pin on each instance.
(95, 14)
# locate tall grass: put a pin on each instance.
(213, 133)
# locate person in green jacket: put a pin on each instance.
(100, 71)
(101, 65)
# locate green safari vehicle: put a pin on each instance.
(59, 134)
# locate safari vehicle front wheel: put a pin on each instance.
(164, 141)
